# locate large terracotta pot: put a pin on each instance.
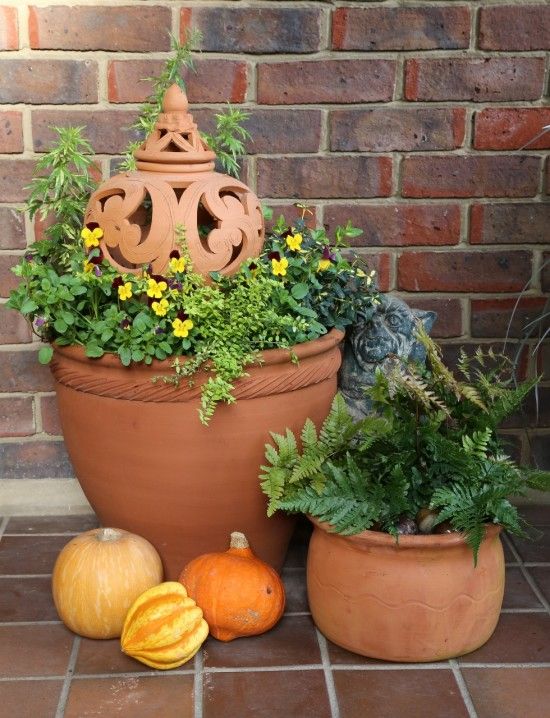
(419, 600)
(147, 465)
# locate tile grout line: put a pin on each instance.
(536, 590)
(68, 676)
(329, 678)
(3, 525)
(263, 669)
(463, 688)
(198, 684)
(527, 576)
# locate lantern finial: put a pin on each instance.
(175, 144)
(175, 100)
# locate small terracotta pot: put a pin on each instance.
(416, 601)
(146, 464)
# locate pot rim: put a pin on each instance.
(268, 357)
(382, 539)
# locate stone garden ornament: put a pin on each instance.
(371, 342)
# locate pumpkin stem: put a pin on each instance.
(108, 534)
(238, 540)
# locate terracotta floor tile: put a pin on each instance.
(508, 554)
(269, 694)
(27, 599)
(106, 657)
(541, 574)
(292, 642)
(517, 592)
(295, 590)
(536, 515)
(29, 699)
(30, 554)
(39, 650)
(537, 550)
(519, 638)
(162, 696)
(51, 524)
(509, 692)
(387, 694)
(339, 656)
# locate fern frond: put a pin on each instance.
(537, 479)
(472, 394)
(478, 442)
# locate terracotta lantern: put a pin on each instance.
(175, 185)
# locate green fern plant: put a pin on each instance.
(430, 442)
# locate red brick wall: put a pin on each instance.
(403, 117)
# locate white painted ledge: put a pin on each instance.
(42, 497)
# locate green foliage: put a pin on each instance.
(427, 444)
(60, 192)
(228, 140)
(324, 285)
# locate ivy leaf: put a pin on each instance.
(45, 355)
(299, 291)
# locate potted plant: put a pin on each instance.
(141, 360)
(405, 561)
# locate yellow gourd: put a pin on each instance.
(97, 577)
(164, 628)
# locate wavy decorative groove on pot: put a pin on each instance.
(419, 600)
(147, 464)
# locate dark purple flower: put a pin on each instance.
(274, 255)
(159, 330)
(97, 259)
(327, 254)
(117, 282)
(252, 266)
(125, 324)
(174, 284)
(39, 321)
(97, 271)
(182, 316)
(29, 256)
(174, 254)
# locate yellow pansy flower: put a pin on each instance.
(182, 328)
(155, 289)
(323, 264)
(125, 291)
(91, 237)
(278, 266)
(294, 241)
(160, 308)
(88, 266)
(177, 264)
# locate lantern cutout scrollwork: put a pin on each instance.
(175, 184)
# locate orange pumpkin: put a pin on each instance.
(97, 577)
(239, 594)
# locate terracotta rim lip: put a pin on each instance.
(269, 357)
(379, 538)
